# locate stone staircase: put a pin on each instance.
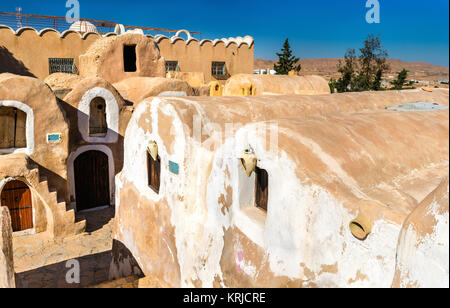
(64, 220)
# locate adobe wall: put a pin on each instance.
(246, 84)
(18, 50)
(42, 166)
(76, 105)
(195, 56)
(6, 250)
(136, 89)
(44, 116)
(194, 79)
(329, 171)
(422, 256)
(20, 167)
(329, 164)
(105, 58)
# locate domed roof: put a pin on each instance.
(83, 26)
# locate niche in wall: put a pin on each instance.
(98, 126)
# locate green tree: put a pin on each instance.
(286, 61)
(347, 70)
(401, 80)
(332, 84)
(372, 63)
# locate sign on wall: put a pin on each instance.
(174, 167)
(53, 138)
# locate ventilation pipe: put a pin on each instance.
(361, 227)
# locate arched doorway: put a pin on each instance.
(91, 180)
(16, 195)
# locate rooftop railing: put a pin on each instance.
(39, 22)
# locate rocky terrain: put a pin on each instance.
(328, 68)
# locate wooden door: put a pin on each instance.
(17, 197)
(91, 180)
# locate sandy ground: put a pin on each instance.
(41, 263)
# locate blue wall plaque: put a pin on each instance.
(51, 138)
(174, 167)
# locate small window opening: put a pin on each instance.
(12, 128)
(129, 58)
(172, 66)
(262, 188)
(98, 126)
(154, 172)
(219, 69)
(61, 65)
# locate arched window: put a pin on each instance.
(98, 126)
(12, 128)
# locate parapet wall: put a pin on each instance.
(195, 56)
(18, 51)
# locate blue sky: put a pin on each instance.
(411, 30)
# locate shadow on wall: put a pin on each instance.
(9, 64)
(123, 263)
(55, 182)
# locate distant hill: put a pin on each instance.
(328, 68)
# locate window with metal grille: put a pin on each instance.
(218, 69)
(12, 128)
(172, 66)
(154, 172)
(61, 65)
(262, 188)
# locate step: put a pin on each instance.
(80, 227)
(43, 187)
